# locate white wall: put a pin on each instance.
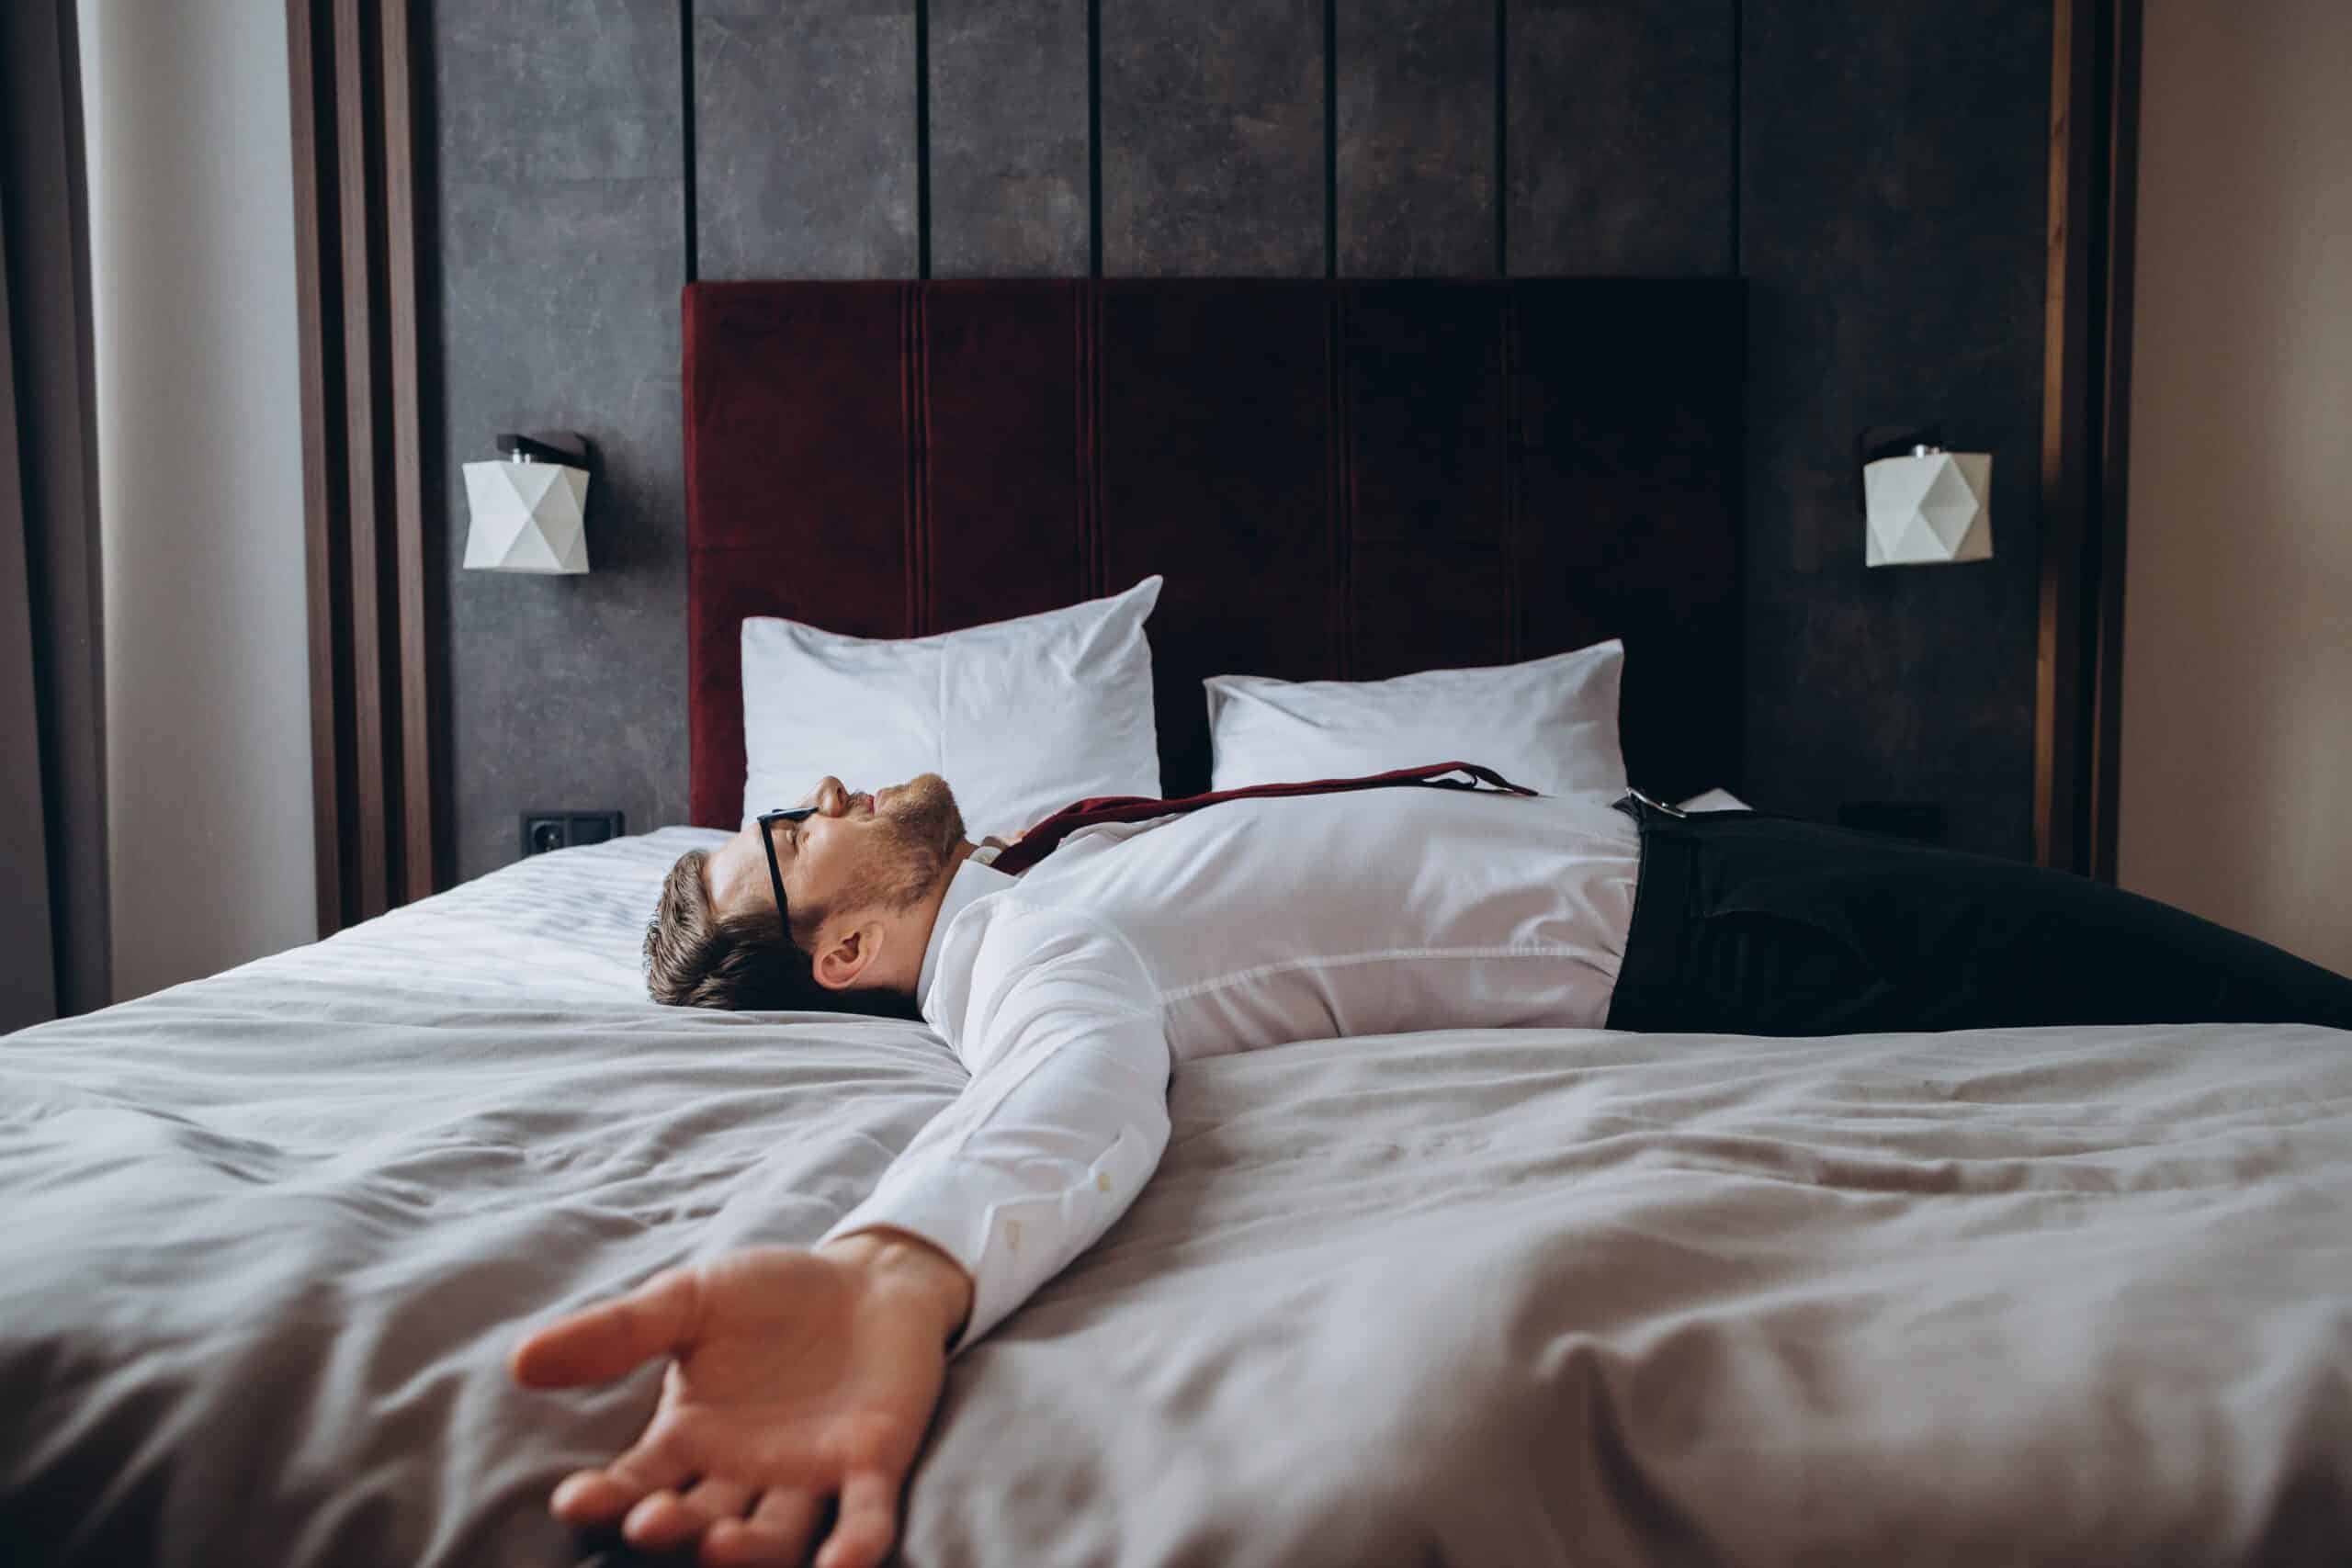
(2236, 767)
(201, 484)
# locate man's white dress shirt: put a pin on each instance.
(1071, 992)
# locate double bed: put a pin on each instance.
(1473, 1297)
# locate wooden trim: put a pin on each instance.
(51, 363)
(372, 665)
(321, 370)
(2115, 391)
(2056, 725)
(361, 373)
(2094, 115)
(28, 922)
(419, 871)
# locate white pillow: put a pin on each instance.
(1021, 717)
(1550, 724)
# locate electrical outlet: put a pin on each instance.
(544, 831)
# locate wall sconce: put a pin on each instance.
(1922, 505)
(528, 507)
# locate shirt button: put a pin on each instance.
(1101, 1181)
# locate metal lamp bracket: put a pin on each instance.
(567, 447)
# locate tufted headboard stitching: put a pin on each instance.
(1350, 479)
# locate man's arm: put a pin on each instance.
(798, 1374)
(1061, 1126)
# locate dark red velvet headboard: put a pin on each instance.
(1346, 479)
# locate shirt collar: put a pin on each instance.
(972, 880)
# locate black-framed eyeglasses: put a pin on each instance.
(767, 842)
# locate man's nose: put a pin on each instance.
(832, 796)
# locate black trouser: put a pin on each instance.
(1755, 923)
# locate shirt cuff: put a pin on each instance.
(1010, 1234)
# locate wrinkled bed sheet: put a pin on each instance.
(1491, 1297)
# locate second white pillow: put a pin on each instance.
(1550, 724)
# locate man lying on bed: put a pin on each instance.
(1156, 934)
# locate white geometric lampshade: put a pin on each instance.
(526, 517)
(1930, 507)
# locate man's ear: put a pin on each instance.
(847, 954)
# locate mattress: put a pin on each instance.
(1470, 1297)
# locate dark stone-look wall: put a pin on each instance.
(1876, 173)
(558, 196)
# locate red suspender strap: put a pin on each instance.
(1039, 841)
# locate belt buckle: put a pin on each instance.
(1658, 806)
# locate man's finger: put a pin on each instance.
(659, 1522)
(869, 1522)
(665, 1519)
(602, 1342)
(776, 1536)
(600, 1497)
(717, 1499)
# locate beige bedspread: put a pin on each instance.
(2063, 1296)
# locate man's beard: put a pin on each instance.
(921, 826)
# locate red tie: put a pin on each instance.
(1040, 842)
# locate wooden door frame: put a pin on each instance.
(2086, 399)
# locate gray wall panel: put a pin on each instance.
(562, 251)
(805, 138)
(1212, 139)
(1008, 155)
(1620, 128)
(1896, 169)
(1890, 174)
(1417, 138)
(557, 89)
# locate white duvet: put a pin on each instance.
(1488, 1297)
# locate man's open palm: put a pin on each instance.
(796, 1376)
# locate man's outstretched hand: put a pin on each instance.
(796, 1376)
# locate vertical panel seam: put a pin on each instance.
(1330, 137)
(923, 139)
(1348, 473)
(906, 470)
(1090, 550)
(1502, 137)
(1079, 461)
(928, 610)
(908, 547)
(1338, 481)
(1098, 524)
(1739, 127)
(1514, 464)
(1093, 139)
(1334, 450)
(1735, 495)
(687, 130)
